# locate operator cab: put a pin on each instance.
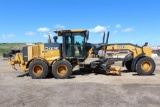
(74, 42)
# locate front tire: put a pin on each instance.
(145, 66)
(62, 69)
(38, 69)
(128, 65)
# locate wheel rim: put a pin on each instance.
(146, 66)
(37, 70)
(62, 70)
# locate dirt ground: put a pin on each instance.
(83, 89)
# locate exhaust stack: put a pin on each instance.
(49, 39)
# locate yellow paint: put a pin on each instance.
(18, 59)
(114, 70)
(135, 50)
(41, 49)
(50, 55)
(146, 66)
(38, 52)
(29, 53)
(60, 33)
(35, 50)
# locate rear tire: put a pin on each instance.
(38, 69)
(145, 66)
(62, 69)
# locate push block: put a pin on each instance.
(114, 70)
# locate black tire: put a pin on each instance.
(145, 66)
(38, 69)
(128, 65)
(62, 69)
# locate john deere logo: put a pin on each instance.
(121, 46)
(51, 48)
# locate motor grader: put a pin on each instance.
(60, 58)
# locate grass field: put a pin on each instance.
(10, 46)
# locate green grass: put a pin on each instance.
(10, 46)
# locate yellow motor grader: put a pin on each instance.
(60, 58)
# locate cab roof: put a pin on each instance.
(60, 32)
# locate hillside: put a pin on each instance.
(7, 47)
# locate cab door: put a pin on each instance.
(73, 44)
(67, 45)
(78, 44)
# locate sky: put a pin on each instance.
(128, 21)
